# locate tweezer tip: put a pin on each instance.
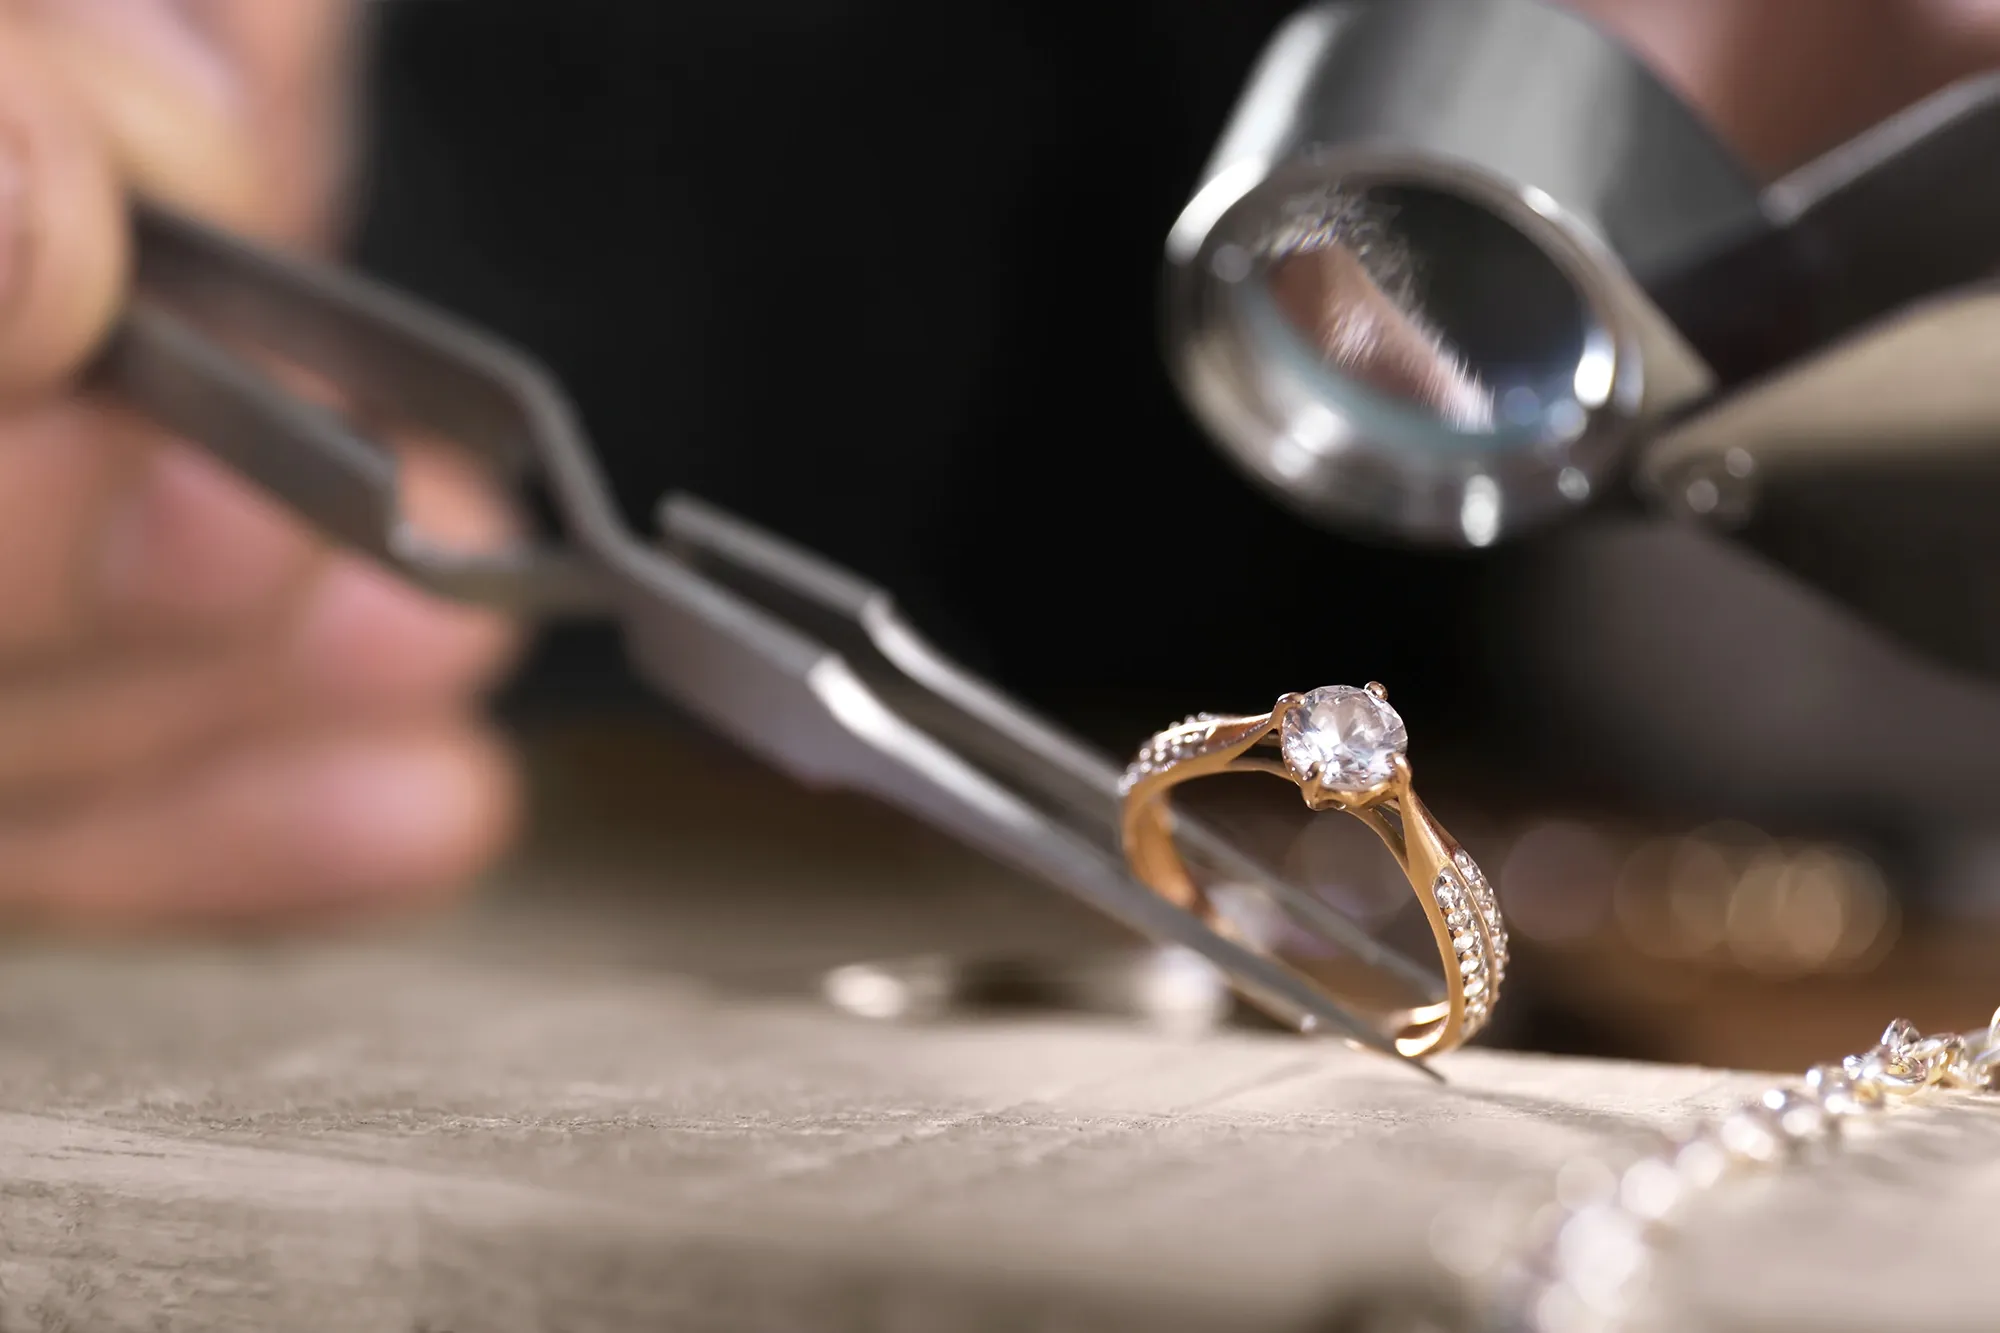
(1414, 1062)
(1368, 1041)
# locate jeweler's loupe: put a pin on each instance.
(1411, 293)
(1458, 269)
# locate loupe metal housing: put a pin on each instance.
(1458, 270)
(1478, 194)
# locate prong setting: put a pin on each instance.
(1340, 738)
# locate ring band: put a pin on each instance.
(1344, 749)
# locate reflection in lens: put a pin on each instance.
(1435, 302)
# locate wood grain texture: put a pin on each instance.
(395, 1136)
(593, 1111)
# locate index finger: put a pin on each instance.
(1784, 80)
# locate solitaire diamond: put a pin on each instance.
(1348, 736)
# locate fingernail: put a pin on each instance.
(381, 822)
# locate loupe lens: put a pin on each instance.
(1422, 352)
(1416, 295)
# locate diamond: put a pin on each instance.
(1799, 1115)
(1488, 906)
(1752, 1134)
(1348, 736)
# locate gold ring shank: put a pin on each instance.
(1456, 899)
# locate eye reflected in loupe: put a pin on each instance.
(1437, 303)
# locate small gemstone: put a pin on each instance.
(1752, 1134)
(1899, 1034)
(1838, 1092)
(1650, 1188)
(1469, 966)
(1465, 943)
(1475, 986)
(1702, 1160)
(1348, 736)
(1799, 1115)
(1457, 920)
(1600, 1251)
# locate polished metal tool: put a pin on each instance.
(797, 661)
(1459, 270)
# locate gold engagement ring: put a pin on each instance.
(1344, 749)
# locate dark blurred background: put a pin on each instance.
(881, 276)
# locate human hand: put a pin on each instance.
(1783, 80)
(205, 713)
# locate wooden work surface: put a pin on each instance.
(584, 1107)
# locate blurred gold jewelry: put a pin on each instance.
(1344, 749)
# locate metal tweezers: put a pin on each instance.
(795, 660)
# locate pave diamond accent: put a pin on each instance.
(1480, 965)
(1488, 905)
(1189, 738)
(1346, 736)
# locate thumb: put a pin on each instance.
(165, 101)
